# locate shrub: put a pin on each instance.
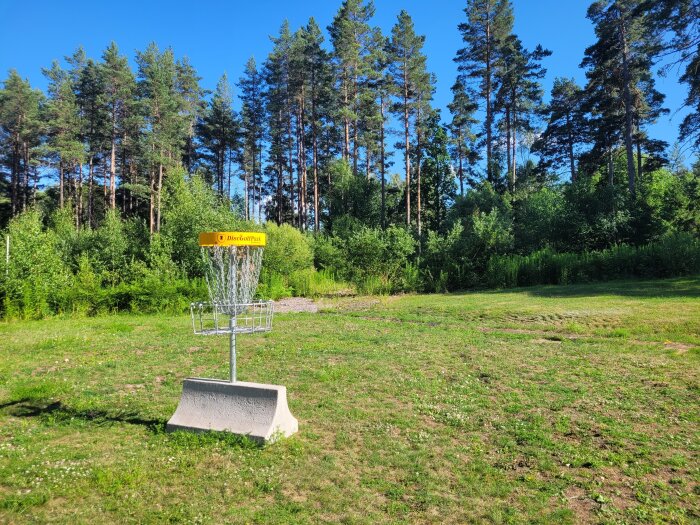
(377, 259)
(191, 207)
(33, 284)
(672, 256)
(313, 283)
(287, 250)
(330, 254)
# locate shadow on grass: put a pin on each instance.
(688, 287)
(57, 413)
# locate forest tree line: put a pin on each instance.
(336, 130)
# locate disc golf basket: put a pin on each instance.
(232, 272)
(233, 261)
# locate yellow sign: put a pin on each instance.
(232, 239)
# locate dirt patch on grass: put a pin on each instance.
(583, 507)
(546, 340)
(680, 348)
(295, 305)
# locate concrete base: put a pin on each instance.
(251, 409)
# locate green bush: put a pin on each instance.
(672, 256)
(317, 283)
(35, 281)
(376, 259)
(191, 207)
(287, 250)
(273, 286)
(330, 254)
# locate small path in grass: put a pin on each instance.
(295, 305)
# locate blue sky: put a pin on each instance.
(219, 36)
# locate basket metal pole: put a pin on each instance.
(232, 348)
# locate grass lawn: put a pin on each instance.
(575, 404)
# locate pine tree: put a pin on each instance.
(488, 24)
(119, 91)
(352, 38)
(252, 129)
(438, 173)
(519, 94)
(464, 150)
(63, 123)
(278, 112)
(380, 89)
(191, 107)
(412, 85)
(321, 96)
(157, 85)
(622, 56)
(77, 63)
(20, 137)
(677, 23)
(218, 134)
(91, 99)
(566, 127)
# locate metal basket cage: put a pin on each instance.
(217, 318)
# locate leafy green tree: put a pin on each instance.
(33, 284)
(537, 218)
(191, 207)
(354, 198)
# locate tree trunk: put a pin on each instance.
(151, 201)
(113, 168)
(290, 153)
(572, 160)
(300, 194)
(160, 191)
(406, 142)
(91, 163)
(245, 195)
(315, 158)
(79, 196)
(418, 171)
(14, 183)
(25, 192)
(280, 176)
(509, 164)
(639, 157)
(382, 162)
(346, 145)
(513, 173)
(489, 115)
(627, 95)
(60, 184)
(460, 155)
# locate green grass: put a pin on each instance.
(546, 405)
